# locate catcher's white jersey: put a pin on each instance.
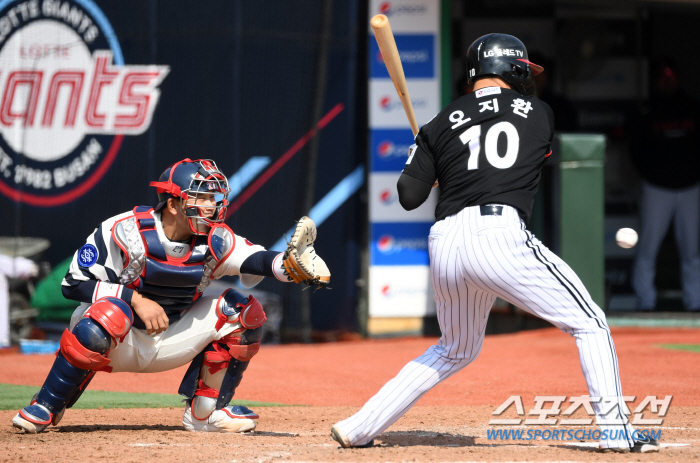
(96, 274)
(474, 259)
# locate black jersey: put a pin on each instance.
(485, 148)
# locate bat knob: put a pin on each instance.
(378, 20)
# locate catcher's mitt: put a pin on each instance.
(300, 259)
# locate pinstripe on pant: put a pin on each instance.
(473, 260)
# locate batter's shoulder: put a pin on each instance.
(537, 101)
(546, 108)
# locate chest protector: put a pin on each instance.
(174, 283)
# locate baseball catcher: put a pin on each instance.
(140, 278)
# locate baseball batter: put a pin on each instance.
(140, 277)
(487, 149)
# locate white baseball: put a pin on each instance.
(626, 238)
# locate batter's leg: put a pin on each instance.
(462, 313)
(687, 233)
(525, 273)
(656, 210)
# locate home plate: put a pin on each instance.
(595, 444)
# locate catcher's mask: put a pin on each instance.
(193, 182)
(503, 56)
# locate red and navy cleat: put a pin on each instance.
(33, 419)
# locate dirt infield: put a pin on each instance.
(333, 380)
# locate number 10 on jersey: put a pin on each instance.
(472, 139)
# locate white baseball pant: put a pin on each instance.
(174, 347)
(473, 260)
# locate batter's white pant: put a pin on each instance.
(173, 348)
(658, 207)
(473, 260)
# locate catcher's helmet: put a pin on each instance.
(186, 180)
(503, 56)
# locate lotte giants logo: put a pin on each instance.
(67, 99)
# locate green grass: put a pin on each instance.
(690, 347)
(13, 397)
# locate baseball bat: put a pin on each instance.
(392, 61)
(390, 54)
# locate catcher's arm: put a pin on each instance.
(300, 259)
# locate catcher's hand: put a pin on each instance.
(300, 259)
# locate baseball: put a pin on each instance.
(626, 238)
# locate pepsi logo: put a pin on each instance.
(388, 103)
(67, 99)
(388, 150)
(385, 244)
(403, 292)
(385, 103)
(387, 197)
(386, 8)
(415, 56)
(385, 148)
(380, 58)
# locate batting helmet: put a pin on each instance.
(188, 180)
(503, 56)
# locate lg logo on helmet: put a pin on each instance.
(503, 52)
(67, 99)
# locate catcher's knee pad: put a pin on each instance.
(107, 321)
(246, 312)
(114, 314)
(82, 353)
